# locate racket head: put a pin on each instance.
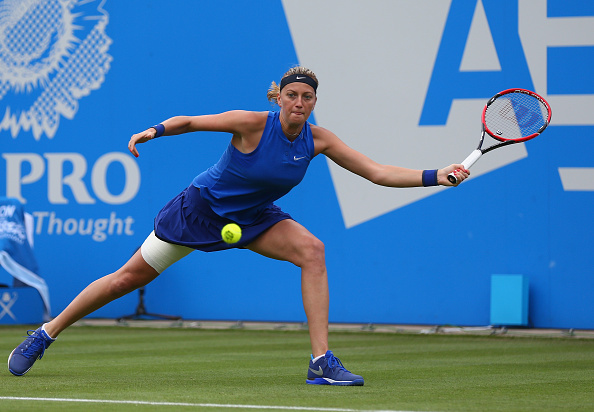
(516, 115)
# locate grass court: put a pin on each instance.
(117, 368)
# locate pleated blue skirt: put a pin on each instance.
(188, 220)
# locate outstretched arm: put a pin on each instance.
(237, 122)
(335, 149)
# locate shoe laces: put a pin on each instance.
(334, 362)
(37, 345)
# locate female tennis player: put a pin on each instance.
(267, 156)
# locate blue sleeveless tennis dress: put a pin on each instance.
(240, 188)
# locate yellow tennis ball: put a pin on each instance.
(231, 233)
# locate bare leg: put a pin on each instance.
(134, 274)
(288, 240)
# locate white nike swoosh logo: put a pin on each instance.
(298, 158)
(319, 372)
(299, 78)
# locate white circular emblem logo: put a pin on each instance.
(52, 53)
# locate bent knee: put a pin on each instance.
(311, 252)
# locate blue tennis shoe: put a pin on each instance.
(328, 370)
(24, 356)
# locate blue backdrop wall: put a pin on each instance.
(78, 78)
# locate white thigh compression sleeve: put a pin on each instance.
(160, 254)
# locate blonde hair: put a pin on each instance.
(274, 89)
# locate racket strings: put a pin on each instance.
(515, 116)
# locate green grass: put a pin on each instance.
(241, 367)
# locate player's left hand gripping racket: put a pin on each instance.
(511, 116)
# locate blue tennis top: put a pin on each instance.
(240, 186)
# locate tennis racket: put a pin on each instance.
(511, 116)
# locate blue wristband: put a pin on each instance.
(430, 177)
(160, 130)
